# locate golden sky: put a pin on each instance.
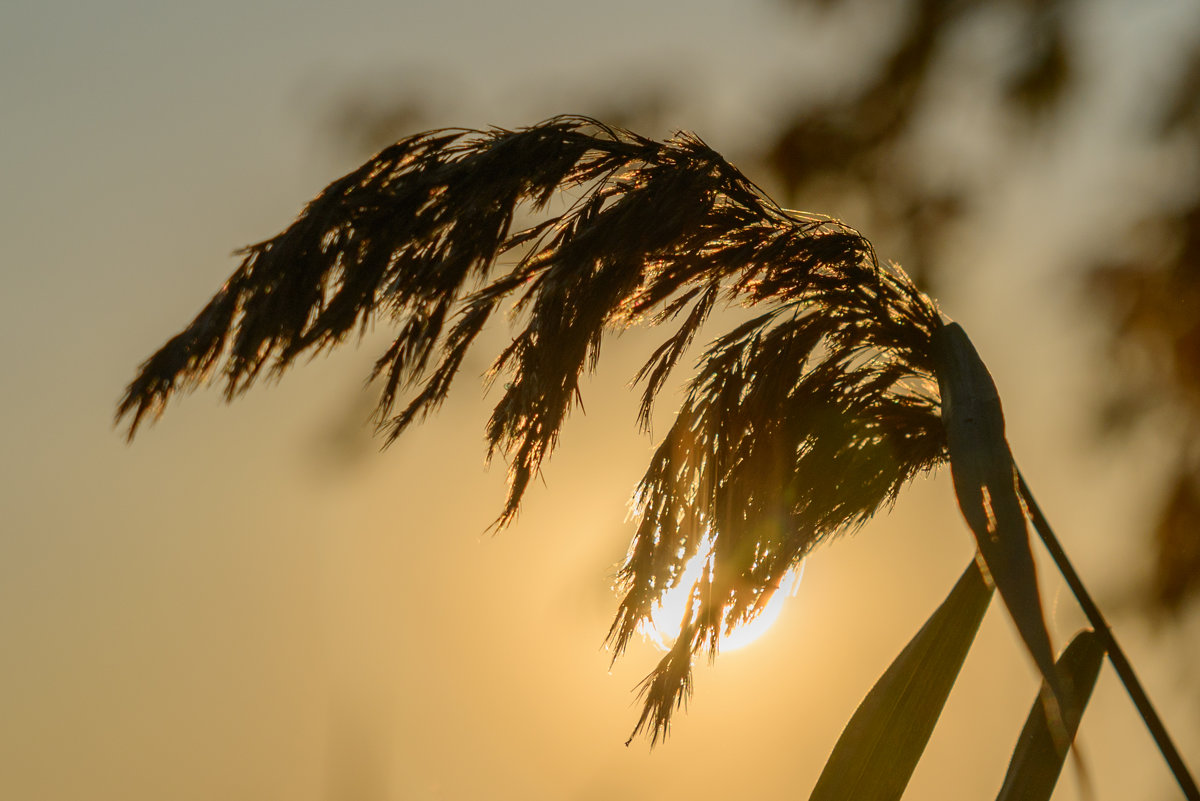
(252, 602)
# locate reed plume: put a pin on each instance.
(797, 425)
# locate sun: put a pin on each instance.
(666, 618)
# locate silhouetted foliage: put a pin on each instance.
(798, 424)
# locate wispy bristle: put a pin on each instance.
(798, 424)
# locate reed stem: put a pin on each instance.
(1116, 656)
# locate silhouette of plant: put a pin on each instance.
(797, 425)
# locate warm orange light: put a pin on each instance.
(666, 619)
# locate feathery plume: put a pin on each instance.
(797, 425)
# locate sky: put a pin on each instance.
(253, 602)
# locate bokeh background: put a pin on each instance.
(254, 602)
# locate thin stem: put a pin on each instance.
(1116, 656)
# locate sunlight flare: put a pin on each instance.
(666, 619)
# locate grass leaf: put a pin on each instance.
(880, 746)
(1038, 758)
(985, 481)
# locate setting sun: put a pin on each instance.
(667, 617)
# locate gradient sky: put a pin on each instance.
(251, 602)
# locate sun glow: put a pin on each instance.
(666, 619)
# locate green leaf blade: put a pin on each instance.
(1038, 758)
(881, 745)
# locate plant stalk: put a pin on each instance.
(1116, 656)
